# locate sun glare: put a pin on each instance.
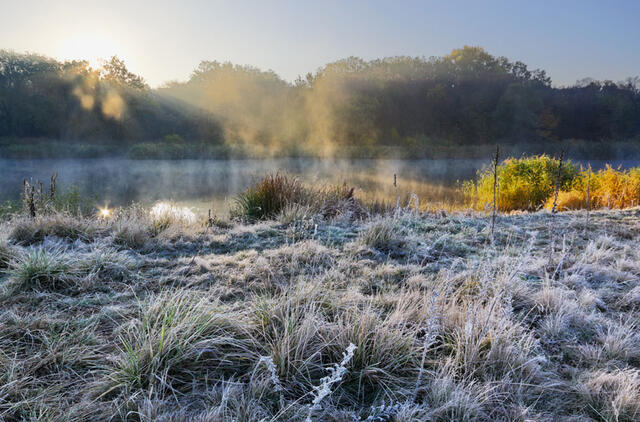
(91, 47)
(104, 212)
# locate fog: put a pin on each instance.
(212, 184)
(456, 106)
(205, 184)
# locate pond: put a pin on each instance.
(212, 184)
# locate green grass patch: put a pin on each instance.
(178, 338)
(41, 269)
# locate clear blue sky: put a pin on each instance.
(165, 40)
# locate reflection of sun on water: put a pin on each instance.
(104, 212)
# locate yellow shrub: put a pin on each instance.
(568, 200)
(523, 183)
(613, 188)
(529, 183)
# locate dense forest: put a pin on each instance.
(414, 106)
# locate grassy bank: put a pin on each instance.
(160, 315)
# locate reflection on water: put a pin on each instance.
(204, 184)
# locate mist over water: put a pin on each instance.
(212, 184)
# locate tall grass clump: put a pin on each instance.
(40, 269)
(276, 194)
(28, 231)
(180, 337)
(608, 188)
(381, 235)
(386, 356)
(612, 396)
(6, 254)
(268, 197)
(165, 214)
(523, 183)
(291, 329)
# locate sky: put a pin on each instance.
(165, 40)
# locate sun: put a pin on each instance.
(91, 47)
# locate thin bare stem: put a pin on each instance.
(495, 189)
(586, 227)
(558, 183)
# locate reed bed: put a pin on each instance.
(530, 183)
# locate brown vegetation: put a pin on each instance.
(419, 316)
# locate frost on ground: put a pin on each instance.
(403, 317)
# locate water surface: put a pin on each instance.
(211, 184)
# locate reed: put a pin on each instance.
(495, 190)
(531, 183)
(588, 204)
(276, 193)
(554, 208)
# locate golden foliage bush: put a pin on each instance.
(614, 188)
(608, 188)
(529, 183)
(523, 183)
(568, 200)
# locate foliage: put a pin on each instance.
(568, 200)
(43, 98)
(614, 188)
(523, 183)
(607, 188)
(41, 148)
(351, 107)
(529, 184)
(116, 71)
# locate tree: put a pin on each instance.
(517, 115)
(115, 71)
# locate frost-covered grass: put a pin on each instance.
(321, 316)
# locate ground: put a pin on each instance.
(397, 317)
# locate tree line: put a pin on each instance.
(466, 98)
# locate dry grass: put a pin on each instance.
(528, 184)
(284, 195)
(28, 231)
(608, 188)
(405, 317)
(523, 183)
